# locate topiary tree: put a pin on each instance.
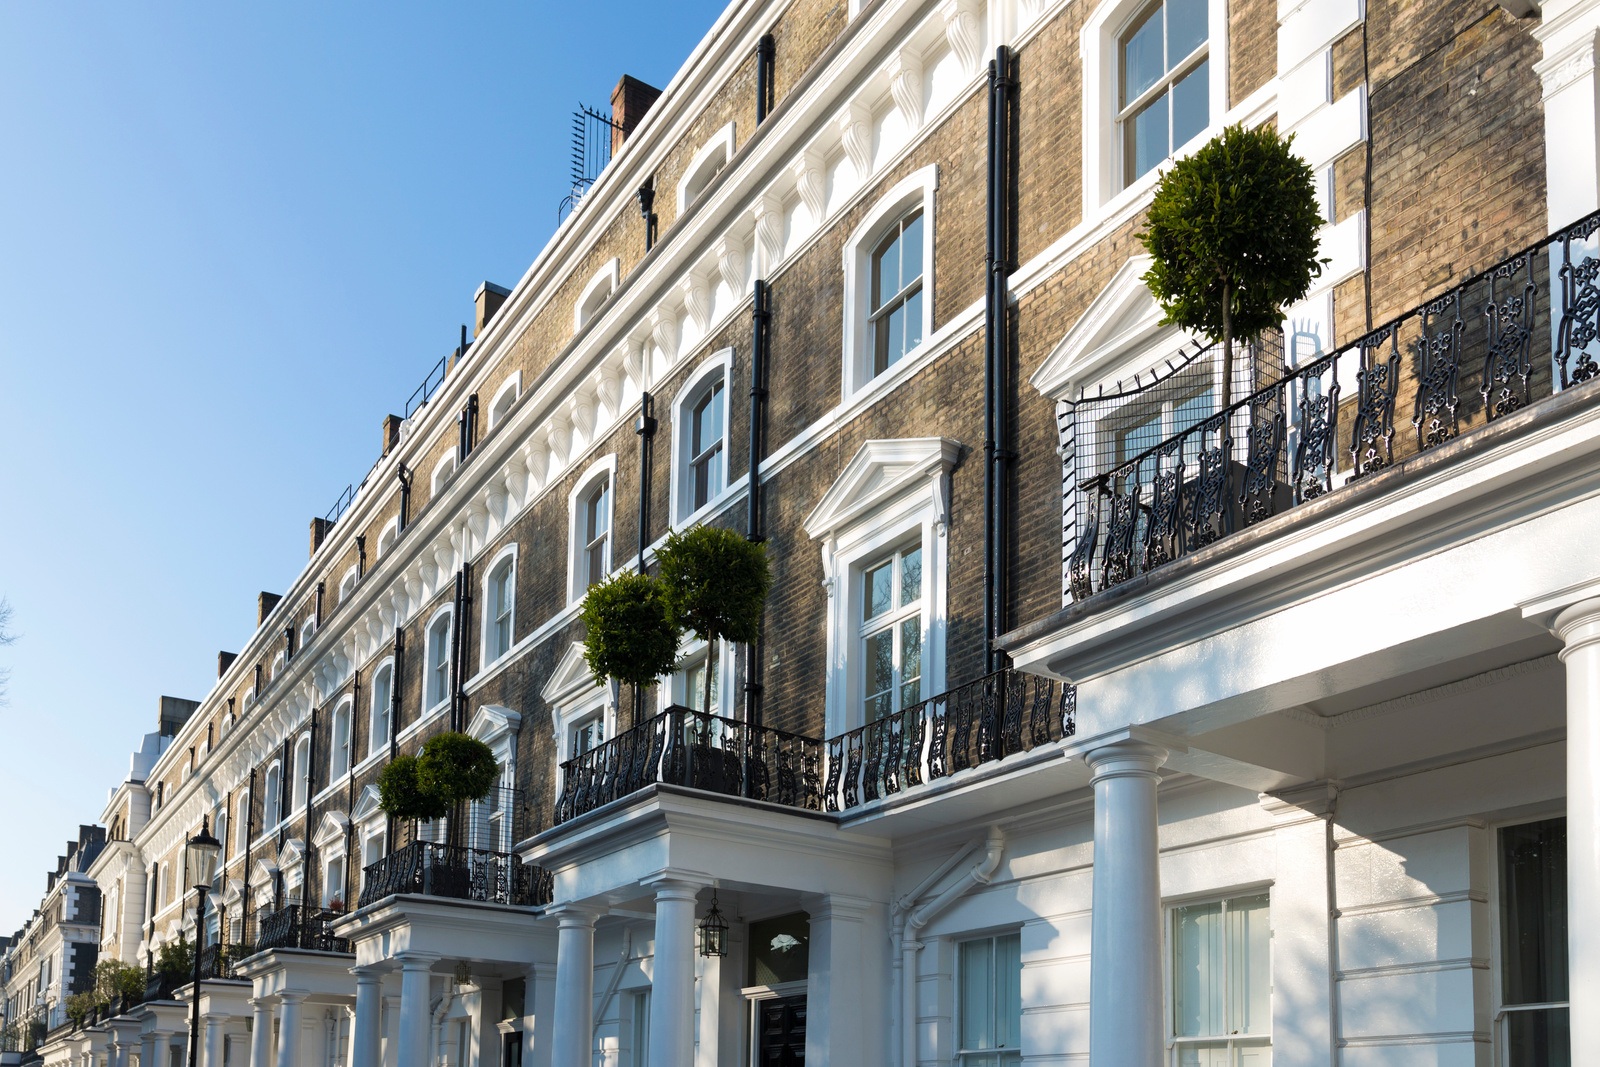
(629, 633)
(401, 794)
(716, 583)
(1233, 234)
(454, 767)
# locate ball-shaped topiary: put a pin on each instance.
(400, 792)
(1232, 231)
(453, 767)
(629, 634)
(716, 583)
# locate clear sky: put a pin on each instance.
(232, 238)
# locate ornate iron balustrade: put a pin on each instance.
(1492, 345)
(217, 961)
(983, 721)
(691, 748)
(432, 869)
(296, 926)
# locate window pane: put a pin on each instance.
(892, 338)
(1533, 911)
(1145, 137)
(977, 986)
(877, 590)
(1142, 62)
(1250, 967)
(911, 250)
(1191, 108)
(1186, 29)
(1209, 1054)
(911, 576)
(1538, 1038)
(879, 648)
(1197, 971)
(910, 660)
(1008, 991)
(886, 272)
(913, 321)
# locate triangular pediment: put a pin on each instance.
(1123, 320)
(492, 722)
(570, 679)
(879, 472)
(367, 805)
(330, 828)
(261, 874)
(293, 851)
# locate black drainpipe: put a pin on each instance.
(361, 555)
(404, 474)
(760, 334)
(467, 429)
(645, 427)
(395, 675)
(764, 88)
(322, 588)
(350, 786)
(249, 839)
(312, 868)
(647, 210)
(996, 454)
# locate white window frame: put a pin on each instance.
(272, 800)
(505, 398)
(692, 653)
(347, 583)
(889, 622)
(299, 788)
(717, 366)
(497, 727)
(336, 773)
(914, 190)
(596, 291)
(1498, 1013)
(704, 166)
(373, 712)
(1103, 188)
(891, 493)
(429, 667)
(958, 1058)
(573, 695)
(308, 630)
(278, 660)
(442, 471)
(388, 536)
(1170, 1042)
(507, 556)
(578, 578)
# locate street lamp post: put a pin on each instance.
(200, 867)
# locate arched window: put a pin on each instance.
(500, 598)
(442, 472)
(889, 280)
(700, 431)
(219, 829)
(307, 632)
(277, 665)
(164, 894)
(339, 743)
(347, 584)
(378, 715)
(302, 764)
(894, 313)
(589, 528)
(390, 534)
(272, 797)
(596, 293)
(243, 834)
(706, 165)
(438, 660)
(505, 399)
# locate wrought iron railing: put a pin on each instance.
(691, 748)
(217, 960)
(26, 1030)
(1491, 346)
(983, 721)
(433, 869)
(296, 926)
(592, 134)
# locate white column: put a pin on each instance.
(845, 979)
(213, 1045)
(369, 1010)
(416, 990)
(1579, 629)
(672, 981)
(147, 1052)
(117, 1052)
(391, 1030)
(572, 1042)
(289, 1027)
(1125, 999)
(539, 1001)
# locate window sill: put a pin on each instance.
(715, 504)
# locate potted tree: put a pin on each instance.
(629, 635)
(451, 769)
(716, 584)
(1232, 232)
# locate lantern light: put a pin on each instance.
(713, 931)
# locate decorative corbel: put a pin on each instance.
(963, 28)
(855, 133)
(905, 85)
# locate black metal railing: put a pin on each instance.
(592, 134)
(217, 960)
(981, 722)
(1491, 346)
(691, 748)
(26, 1031)
(296, 926)
(434, 869)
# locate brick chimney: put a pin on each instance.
(319, 533)
(629, 101)
(265, 602)
(224, 661)
(391, 432)
(488, 299)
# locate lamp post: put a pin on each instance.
(199, 868)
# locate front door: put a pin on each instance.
(781, 1031)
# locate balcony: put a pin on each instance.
(297, 926)
(982, 722)
(1487, 357)
(429, 868)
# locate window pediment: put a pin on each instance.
(366, 806)
(491, 722)
(331, 828)
(880, 472)
(1123, 320)
(570, 680)
(261, 874)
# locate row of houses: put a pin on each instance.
(1090, 721)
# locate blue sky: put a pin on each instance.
(232, 238)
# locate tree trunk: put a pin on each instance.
(711, 659)
(1227, 345)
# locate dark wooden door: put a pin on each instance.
(781, 1032)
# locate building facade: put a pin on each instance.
(1089, 722)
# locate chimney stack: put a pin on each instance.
(265, 602)
(319, 533)
(224, 661)
(391, 432)
(488, 299)
(629, 101)
(175, 711)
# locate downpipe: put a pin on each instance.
(910, 921)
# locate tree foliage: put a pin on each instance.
(716, 583)
(401, 794)
(455, 767)
(1233, 235)
(629, 633)
(175, 960)
(115, 980)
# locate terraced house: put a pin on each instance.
(1091, 721)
